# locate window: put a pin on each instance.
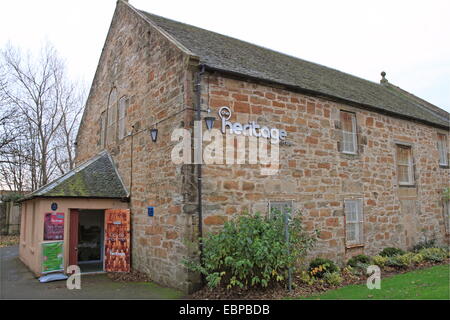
(112, 116)
(102, 129)
(284, 207)
(349, 141)
(442, 147)
(405, 165)
(447, 215)
(354, 222)
(123, 103)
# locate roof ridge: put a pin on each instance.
(263, 47)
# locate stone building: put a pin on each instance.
(365, 163)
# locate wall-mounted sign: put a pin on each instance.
(54, 226)
(54, 206)
(52, 256)
(249, 129)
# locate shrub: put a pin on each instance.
(424, 244)
(417, 258)
(358, 260)
(305, 277)
(332, 278)
(252, 251)
(391, 252)
(379, 260)
(319, 266)
(434, 254)
(400, 261)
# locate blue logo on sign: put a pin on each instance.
(54, 206)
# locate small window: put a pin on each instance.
(405, 168)
(349, 139)
(102, 129)
(447, 216)
(283, 207)
(123, 102)
(354, 222)
(112, 117)
(442, 147)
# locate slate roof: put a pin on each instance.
(96, 178)
(222, 53)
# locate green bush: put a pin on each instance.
(305, 277)
(319, 266)
(332, 278)
(379, 260)
(418, 258)
(434, 254)
(391, 252)
(424, 244)
(358, 260)
(252, 251)
(401, 261)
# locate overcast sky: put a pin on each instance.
(410, 40)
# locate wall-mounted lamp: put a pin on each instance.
(209, 122)
(154, 134)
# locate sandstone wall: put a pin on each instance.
(317, 177)
(154, 74)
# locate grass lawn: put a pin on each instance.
(430, 283)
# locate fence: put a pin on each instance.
(9, 218)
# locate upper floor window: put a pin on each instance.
(405, 168)
(112, 117)
(442, 147)
(102, 129)
(123, 104)
(349, 139)
(354, 222)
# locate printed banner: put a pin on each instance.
(117, 240)
(54, 226)
(52, 256)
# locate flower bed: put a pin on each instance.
(305, 283)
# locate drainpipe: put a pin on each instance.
(198, 117)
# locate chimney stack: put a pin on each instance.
(383, 78)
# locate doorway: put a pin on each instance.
(90, 247)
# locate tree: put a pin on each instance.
(42, 109)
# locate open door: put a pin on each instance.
(117, 240)
(73, 237)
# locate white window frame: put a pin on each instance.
(353, 134)
(410, 165)
(354, 206)
(442, 148)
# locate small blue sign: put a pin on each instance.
(151, 211)
(54, 206)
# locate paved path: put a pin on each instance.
(17, 282)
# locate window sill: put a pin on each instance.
(407, 186)
(444, 166)
(353, 246)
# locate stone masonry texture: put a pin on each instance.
(158, 80)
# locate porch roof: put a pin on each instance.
(96, 178)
